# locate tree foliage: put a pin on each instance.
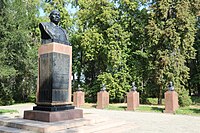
(18, 63)
(103, 49)
(171, 30)
(115, 42)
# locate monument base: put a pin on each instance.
(102, 99)
(78, 98)
(132, 100)
(53, 108)
(47, 116)
(171, 102)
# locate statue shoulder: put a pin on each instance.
(65, 31)
(44, 24)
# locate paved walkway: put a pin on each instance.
(142, 122)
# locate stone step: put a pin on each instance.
(4, 129)
(43, 127)
(98, 127)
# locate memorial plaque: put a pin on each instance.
(54, 77)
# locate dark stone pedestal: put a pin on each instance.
(54, 85)
(47, 116)
(53, 108)
(54, 75)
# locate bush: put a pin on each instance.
(7, 101)
(153, 101)
(32, 98)
(195, 100)
(184, 98)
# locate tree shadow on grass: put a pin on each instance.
(123, 107)
(195, 110)
(157, 109)
(94, 106)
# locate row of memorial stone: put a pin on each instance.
(171, 99)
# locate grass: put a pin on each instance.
(192, 110)
(119, 106)
(2, 111)
(89, 105)
(150, 108)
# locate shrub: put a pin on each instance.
(154, 101)
(184, 98)
(32, 98)
(195, 100)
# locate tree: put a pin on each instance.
(194, 81)
(133, 19)
(171, 31)
(102, 51)
(18, 55)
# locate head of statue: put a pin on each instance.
(171, 87)
(55, 17)
(133, 87)
(170, 84)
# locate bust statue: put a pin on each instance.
(133, 87)
(51, 31)
(103, 87)
(171, 87)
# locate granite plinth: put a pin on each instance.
(47, 116)
(78, 98)
(171, 102)
(132, 100)
(102, 99)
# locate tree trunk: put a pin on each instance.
(160, 95)
(198, 89)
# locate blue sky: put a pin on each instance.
(69, 8)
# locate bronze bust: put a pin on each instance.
(51, 31)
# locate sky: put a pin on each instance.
(69, 8)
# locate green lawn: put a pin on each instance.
(192, 110)
(2, 111)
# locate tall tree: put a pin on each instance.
(133, 19)
(194, 81)
(18, 55)
(171, 31)
(102, 52)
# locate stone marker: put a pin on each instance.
(132, 98)
(171, 100)
(102, 98)
(78, 97)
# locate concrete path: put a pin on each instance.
(139, 121)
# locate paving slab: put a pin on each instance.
(4, 129)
